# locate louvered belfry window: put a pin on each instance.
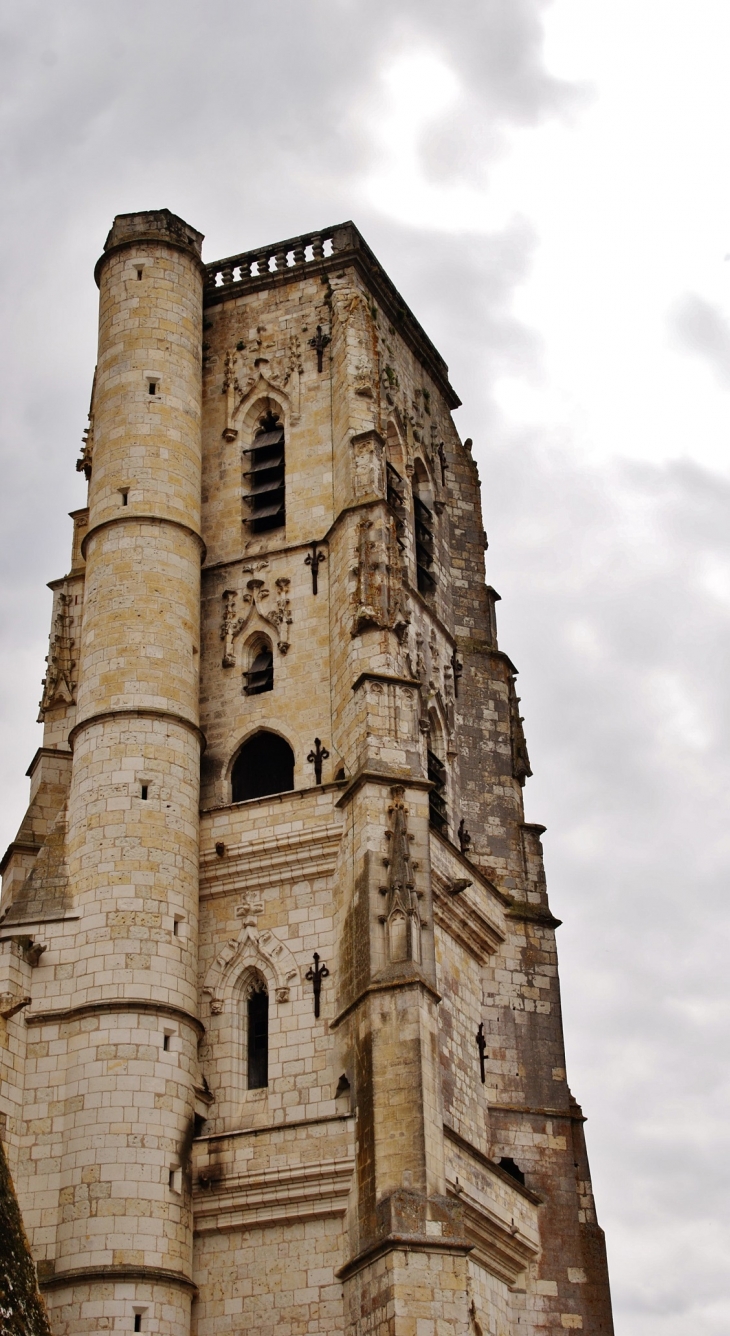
(424, 546)
(260, 676)
(265, 476)
(437, 811)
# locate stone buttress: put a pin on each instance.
(283, 1038)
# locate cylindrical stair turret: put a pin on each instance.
(125, 1237)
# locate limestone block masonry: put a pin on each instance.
(280, 1029)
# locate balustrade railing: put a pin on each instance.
(283, 256)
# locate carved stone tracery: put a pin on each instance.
(266, 359)
(380, 598)
(402, 917)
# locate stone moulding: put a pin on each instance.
(117, 1275)
(282, 1194)
(271, 862)
(503, 1253)
(464, 921)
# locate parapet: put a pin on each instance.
(154, 225)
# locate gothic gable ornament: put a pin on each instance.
(59, 686)
(254, 605)
(250, 950)
(402, 917)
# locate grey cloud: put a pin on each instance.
(699, 327)
(246, 119)
(624, 650)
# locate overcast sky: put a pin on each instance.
(547, 184)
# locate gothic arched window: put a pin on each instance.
(266, 476)
(265, 764)
(257, 1034)
(423, 526)
(260, 674)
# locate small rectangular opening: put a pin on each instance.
(166, 1043)
(152, 387)
(138, 1316)
(139, 275)
(176, 927)
(124, 493)
(145, 788)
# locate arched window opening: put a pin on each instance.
(437, 809)
(423, 524)
(257, 1038)
(511, 1168)
(265, 475)
(264, 765)
(260, 674)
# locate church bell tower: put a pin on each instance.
(283, 1044)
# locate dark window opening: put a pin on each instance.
(514, 1171)
(437, 810)
(265, 475)
(124, 493)
(260, 676)
(139, 273)
(396, 499)
(152, 387)
(166, 1043)
(424, 544)
(265, 764)
(138, 1316)
(145, 788)
(258, 1038)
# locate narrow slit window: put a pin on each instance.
(152, 387)
(265, 477)
(258, 1037)
(166, 1043)
(139, 274)
(138, 1316)
(144, 791)
(437, 810)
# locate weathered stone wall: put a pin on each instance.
(375, 1183)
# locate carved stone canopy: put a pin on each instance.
(255, 606)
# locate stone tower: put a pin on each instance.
(281, 1036)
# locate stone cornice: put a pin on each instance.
(146, 1006)
(104, 1275)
